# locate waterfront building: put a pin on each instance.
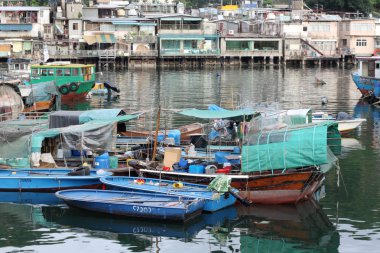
(21, 29)
(186, 36)
(321, 36)
(357, 36)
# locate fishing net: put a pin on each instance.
(281, 141)
(10, 102)
(220, 184)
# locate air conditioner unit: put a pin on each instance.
(230, 32)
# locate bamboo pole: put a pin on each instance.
(156, 134)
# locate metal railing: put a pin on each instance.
(180, 27)
(150, 53)
(254, 52)
(189, 52)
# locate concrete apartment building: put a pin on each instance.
(357, 36)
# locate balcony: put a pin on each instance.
(189, 52)
(263, 52)
(16, 27)
(150, 39)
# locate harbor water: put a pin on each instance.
(346, 219)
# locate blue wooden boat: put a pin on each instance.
(48, 180)
(214, 200)
(143, 205)
(367, 77)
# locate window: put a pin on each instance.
(47, 29)
(362, 27)
(75, 26)
(59, 72)
(44, 72)
(320, 27)
(377, 65)
(344, 42)
(361, 43)
(305, 28)
(75, 72)
(50, 72)
(34, 72)
(67, 72)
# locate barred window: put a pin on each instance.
(361, 43)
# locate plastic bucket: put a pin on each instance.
(176, 135)
(197, 169)
(102, 161)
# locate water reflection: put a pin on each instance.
(77, 218)
(283, 228)
(253, 229)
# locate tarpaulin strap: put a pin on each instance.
(284, 151)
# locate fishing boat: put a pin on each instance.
(185, 133)
(105, 88)
(73, 81)
(49, 180)
(278, 166)
(279, 188)
(367, 77)
(134, 204)
(215, 200)
(345, 124)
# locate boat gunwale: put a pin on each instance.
(193, 201)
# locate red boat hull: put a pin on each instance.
(285, 188)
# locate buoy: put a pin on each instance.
(324, 100)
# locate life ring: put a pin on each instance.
(73, 87)
(64, 90)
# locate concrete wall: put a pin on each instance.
(75, 34)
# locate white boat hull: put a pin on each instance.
(344, 126)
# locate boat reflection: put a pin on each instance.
(92, 221)
(246, 229)
(285, 227)
(32, 198)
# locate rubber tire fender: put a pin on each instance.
(64, 90)
(73, 87)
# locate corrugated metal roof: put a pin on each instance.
(23, 8)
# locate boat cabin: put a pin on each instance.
(19, 66)
(62, 73)
(369, 66)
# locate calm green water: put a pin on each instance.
(346, 220)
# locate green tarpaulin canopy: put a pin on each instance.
(292, 147)
(222, 114)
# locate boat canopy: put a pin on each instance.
(219, 114)
(299, 116)
(24, 137)
(291, 147)
(67, 118)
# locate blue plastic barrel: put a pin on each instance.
(160, 137)
(176, 135)
(197, 169)
(102, 161)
